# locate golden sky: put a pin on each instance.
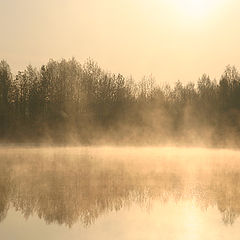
(170, 39)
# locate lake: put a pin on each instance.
(119, 193)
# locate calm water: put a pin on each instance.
(119, 193)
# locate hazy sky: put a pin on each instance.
(170, 39)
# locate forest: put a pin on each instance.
(65, 102)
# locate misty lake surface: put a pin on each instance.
(119, 193)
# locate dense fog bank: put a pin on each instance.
(66, 102)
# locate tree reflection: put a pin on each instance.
(67, 188)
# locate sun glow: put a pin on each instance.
(197, 9)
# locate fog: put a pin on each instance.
(79, 144)
(72, 185)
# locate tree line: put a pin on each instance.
(68, 102)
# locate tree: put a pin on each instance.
(5, 83)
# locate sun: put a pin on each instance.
(196, 9)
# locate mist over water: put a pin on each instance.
(186, 190)
(81, 187)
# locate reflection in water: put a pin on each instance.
(68, 185)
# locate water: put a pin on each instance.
(119, 193)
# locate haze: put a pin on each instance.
(119, 193)
(172, 40)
